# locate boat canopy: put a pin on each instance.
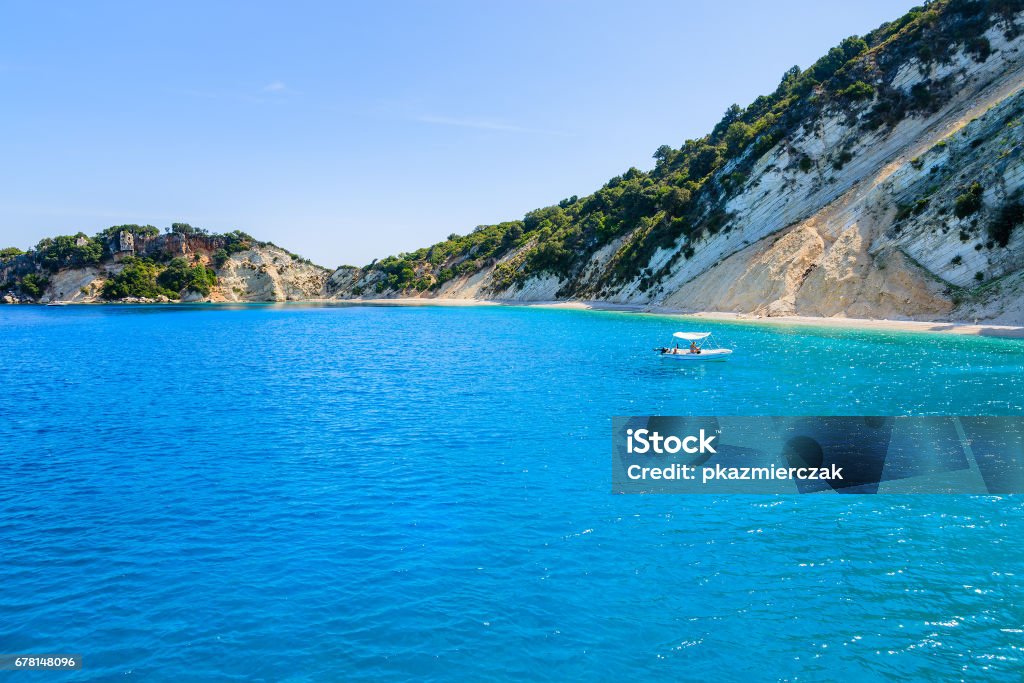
(692, 336)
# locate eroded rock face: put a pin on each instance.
(75, 284)
(262, 273)
(842, 242)
(269, 274)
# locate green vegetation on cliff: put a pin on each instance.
(150, 268)
(145, 278)
(1010, 216)
(179, 276)
(69, 251)
(33, 285)
(138, 278)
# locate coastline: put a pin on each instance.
(978, 329)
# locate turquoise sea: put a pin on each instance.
(311, 493)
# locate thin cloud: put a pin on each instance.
(268, 93)
(484, 124)
(235, 95)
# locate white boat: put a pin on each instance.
(698, 350)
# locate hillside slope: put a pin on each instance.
(132, 263)
(884, 181)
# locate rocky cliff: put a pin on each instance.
(884, 181)
(134, 263)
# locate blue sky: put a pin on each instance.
(349, 131)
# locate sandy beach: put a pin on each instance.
(942, 327)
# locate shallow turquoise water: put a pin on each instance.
(314, 493)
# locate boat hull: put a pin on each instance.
(704, 356)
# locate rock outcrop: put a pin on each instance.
(245, 269)
(268, 274)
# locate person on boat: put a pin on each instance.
(694, 348)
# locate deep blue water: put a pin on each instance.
(319, 493)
